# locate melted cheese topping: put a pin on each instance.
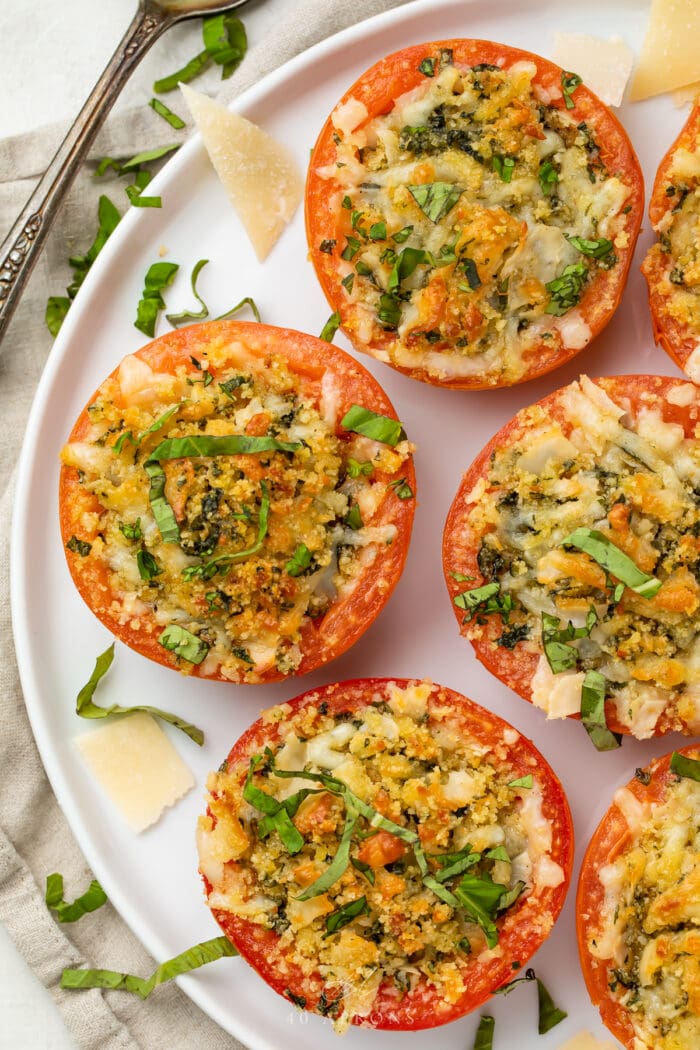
(408, 756)
(650, 923)
(469, 279)
(233, 579)
(635, 480)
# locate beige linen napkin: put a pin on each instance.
(34, 836)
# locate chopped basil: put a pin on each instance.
(402, 235)
(595, 249)
(183, 76)
(480, 897)
(408, 259)
(197, 445)
(276, 813)
(80, 547)
(357, 468)
(366, 869)
(528, 976)
(86, 708)
(593, 713)
(483, 1039)
(162, 511)
(167, 114)
(521, 782)
(377, 231)
(613, 560)
(427, 67)
(498, 852)
(549, 1014)
(503, 166)
(402, 489)
(569, 83)
(338, 866)
(486, 599)
(300, 561)
(183, 643)
(561, 656)
(683, 766)
(566, 289)
(510, 896)
(351, 248)
(57, 306)
(158, 277)
(347, 282)
(131, 531)
(191, 315)
(199, 955)
(337, 919)
(247, 301)
(347, 203)
(471, 273)
(370, 424)
(225, 41)
(353, 518)
(147, 565)
(389, 310)
(330, 328)
(206, 570)
(93, 898)
(548, 177)
(435, 199)
(147, 156)
(452, 864)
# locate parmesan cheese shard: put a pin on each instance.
(139, 769)
(603, 65)
(260, 175)
(670, 55)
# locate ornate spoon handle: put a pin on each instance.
(21, 248)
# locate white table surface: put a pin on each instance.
(51, 54)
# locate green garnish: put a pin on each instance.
(366, 869)
(351, 248)
(480, 897)
(593, 713)
(86, 708)
(561, 656)
(521, 782)
(613, 560)
(483, 1040)
(471, 273)
(370, 424)
(389, 310)
(158, 277)
(225, 43)
(81, 547)
(569, 83)
(191, 315)
(198, 445)
(435, 199)
(192, 959)
(135, 192)
(402, 235)
(683, 766)
(503, 166)
(131, 531)
(377, 231)
(337, 919)
(162, 511)
(486, 599)
(356, 468)
(549, 1014)
(193, 68)
(427, 67)
(548, 177)
(402, 489)
(406, 262)
(566, 289)
(206, 570)
(93, 898)
(595, 249)
(347, 282)
(167, 114)
(330, 328)
(300, 561)
(147, 157)
(338, 866)
(276, 813)
(353, 518)
(247, 301)
(147, 565)
(183, 643)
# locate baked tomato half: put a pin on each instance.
(237, 501)
(672, 264)
(472, 211)
(384, 852)
(637, 908)
(572, 558)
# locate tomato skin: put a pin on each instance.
(609, 840)
(675, 337)
(520, 930)
(309, 359)
(460, 545)
(377, 89)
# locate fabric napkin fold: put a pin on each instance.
(35, 838)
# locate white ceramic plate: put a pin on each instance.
(152, 879)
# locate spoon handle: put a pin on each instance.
(20, 250)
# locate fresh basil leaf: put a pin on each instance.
(239, 306)
(330, 328)
(81, 547)
(566, 289)
(593, 712)
(613, 560)
(183, 76)
(340, 918)
(131, 531)
(510, 896)
(206, 570)
(402, 235)
(351, 248)
(377, 231)
(389, 310)
(480, 896)
(597, 249)
(198, 445)
(521, 782)
(561, 656)
(435, 199)
(499, 852)
(147, 565)
(528, 976)
(353, 518)
(167, 114)
(86, 708)
(277, 816)
(225, 41)
(484, 600)
(192, 315)
(406, 263)
(427, 67)
(139, 201)
(402, 489)
(192, 959)
(162, 511)
(183, 643)
(503, 166)
(158, 277)
(339, 864)
(683, 766)
(147, 156)
(366, 869)
(105, 164)
(93, 898)
(549, 1014)
(57, 306)
(483, 1040)
(299, 562)
(370, 424)
(471, 273)
(461, 862)
(569, 83)
(356, 468)
(160, 422)
(548, 177)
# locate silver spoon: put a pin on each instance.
(20, 249)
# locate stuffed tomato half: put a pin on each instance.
(384, 852)
(472, 211)
(572, 557)
(637, 908)
(672, 264)
(237, 501)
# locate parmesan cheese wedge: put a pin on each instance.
(670, 55)
(138, 768)
(586, 1041)
(260, 175)
(603, 65)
